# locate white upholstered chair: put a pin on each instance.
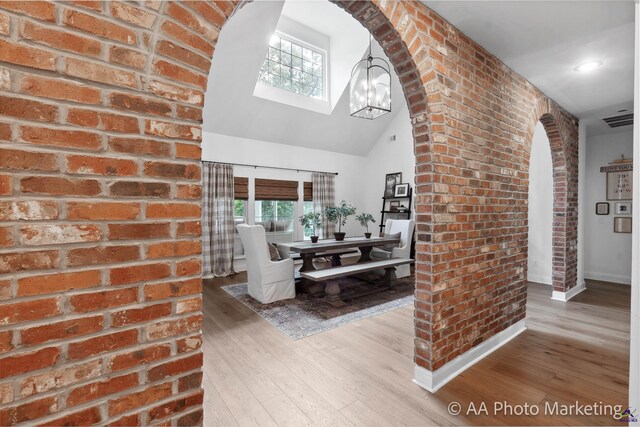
(405, 228)
(269, 281)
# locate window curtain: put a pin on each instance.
(323, 196)
(217, 219)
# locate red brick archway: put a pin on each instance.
(100, 130)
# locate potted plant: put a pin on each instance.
(312, 220)
(364, 219)
(338, 215)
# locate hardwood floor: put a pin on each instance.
(360, 374)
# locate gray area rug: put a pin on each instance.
(307, 315)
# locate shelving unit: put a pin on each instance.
(387, 212)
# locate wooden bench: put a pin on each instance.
(332, 287)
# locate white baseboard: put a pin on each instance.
(545, 280)
(566, 296)
(605, 277)
(432, 381)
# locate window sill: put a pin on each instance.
(283, 96)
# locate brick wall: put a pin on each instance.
(100, 113)
(100, 293)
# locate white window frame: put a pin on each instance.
(313, 48)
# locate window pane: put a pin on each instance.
(286, 59)
(307, 54)
(296, 50)
(296, 63)
(277, 218)
(307, 67)
(274, 54)
(292, 67)
(285, 45)
(239, 217)
(306, 208)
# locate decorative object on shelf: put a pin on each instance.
(364, 219)
(338, 215)
(622, 224)
(401, 190)
(619, 179)
(312, 220)
(402, 208)
(622, 208)
(602, 208)
(370, 87)
(394, 205)
(390, 181)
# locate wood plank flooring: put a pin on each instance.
(360, 374)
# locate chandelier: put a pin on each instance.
(370, 87)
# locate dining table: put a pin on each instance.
(308, 251)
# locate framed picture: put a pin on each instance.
(622, 224)
(623, 208)
(401, 190)
(391, 180)
(394, 205)
(602, 208)
(619, 185)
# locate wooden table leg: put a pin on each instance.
(307, 262)
(365, 254)
(332, 290)
(390, 277)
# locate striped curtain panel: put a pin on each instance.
(217, 219)
(324, 195)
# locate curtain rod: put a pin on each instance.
(268, 167)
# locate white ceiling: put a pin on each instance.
(541, 40)
(545, 40)
(239, 54)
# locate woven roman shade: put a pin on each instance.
(241, 188)
(275, 189)
(308, 191)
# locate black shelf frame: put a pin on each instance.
(384, 212)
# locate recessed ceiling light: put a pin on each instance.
(622, 111)
(588, 66)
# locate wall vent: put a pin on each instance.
(619, 121)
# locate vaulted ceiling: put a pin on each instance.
(240, 52)
(541, 40)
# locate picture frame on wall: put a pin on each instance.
(602, 208)
(401, 190)
(390, 181)
(619, 185)
(622, 208)
(622, 224)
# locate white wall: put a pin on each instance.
(389, 156)
(607, 254)
(540, 259)
(230, 149)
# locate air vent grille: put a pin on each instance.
(619, 121)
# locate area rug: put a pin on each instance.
(307, 315)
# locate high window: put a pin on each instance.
(294, 66)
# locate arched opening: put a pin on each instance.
(360, 180)
(540, 214)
